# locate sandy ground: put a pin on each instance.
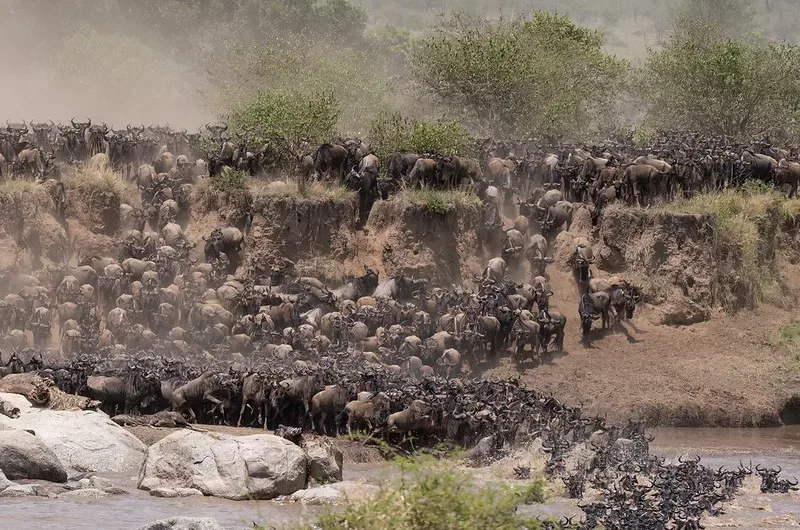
(724, 372)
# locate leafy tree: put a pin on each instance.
(702, 80)
(310, 65)
(543, 75)
(285, 118)
(392, 132)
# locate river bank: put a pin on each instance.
(751, 510)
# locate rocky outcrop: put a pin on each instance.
(324, 461)
(4, 482)
(339, 493)
(82, 440)
(173, 493)
(184, 523)
(24, 456)
(260, 466)
(24, 490)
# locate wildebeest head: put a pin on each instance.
(581, 264)
(586, 311)
(353, 180)
(369, 281)
(632, 297)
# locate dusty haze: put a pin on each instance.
(147, 61)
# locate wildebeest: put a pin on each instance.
(331, 160)
(195, 393)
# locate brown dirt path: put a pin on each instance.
(724, 372)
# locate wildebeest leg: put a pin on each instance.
(241, 413)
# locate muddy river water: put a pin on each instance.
(751, 510)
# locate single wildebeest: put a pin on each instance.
(536, 253)
(367, 412)
(418, 417)
(254, 390)
(401, 164)
(327, 403)
(196, 392)
(331, 160)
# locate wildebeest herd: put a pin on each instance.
(159, 327)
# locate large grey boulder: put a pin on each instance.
(24, 490)
(324, 461)
(184, 523)
(260, 466)
(82, 440)
(4, 482)
(24, 456)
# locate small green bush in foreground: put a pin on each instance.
(431, 495)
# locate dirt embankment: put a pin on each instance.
(30, 237)
(699, 352)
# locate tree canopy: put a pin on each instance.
(538, 75)
(703, 80)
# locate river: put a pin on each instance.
(752, 510)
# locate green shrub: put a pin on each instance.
(229, 181)
(432, 495)
(790, 341)
(392, 132)
(520, 76)
(440, 201)
(284, 119)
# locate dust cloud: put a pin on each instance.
(159, 61)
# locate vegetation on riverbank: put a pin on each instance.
(745, 223)
(433, 495)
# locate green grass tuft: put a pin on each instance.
(741, 221)
(99, 179)
(229, 181)
(439, 202)
(290, 189)
(433, 495)
(790, 341)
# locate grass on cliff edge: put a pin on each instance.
(735, 217)
(98, 179)
(24, 189)
(433, 495)
(289, 188)
(439, 201)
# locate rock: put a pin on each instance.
(579, 458)
(172, 493)
(85, 493)
(563, 247)
(184, 523)
(482, 452)
(82, 440)
(4, 482)
(24, 490)
(339, 493)
(324, 461)
(683, 312)
(24, 456)
(260, 466)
